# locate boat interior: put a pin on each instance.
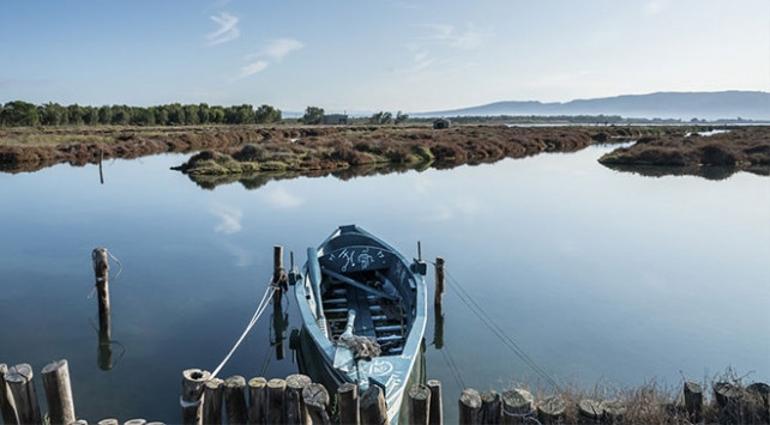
(374, 283)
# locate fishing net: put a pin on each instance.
(363, 347)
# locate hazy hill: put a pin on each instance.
(685, 105)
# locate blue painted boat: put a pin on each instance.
(354, 271)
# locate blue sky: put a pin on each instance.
(368, 55)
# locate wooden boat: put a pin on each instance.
(356, 274)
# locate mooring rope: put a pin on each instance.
(254, 319)
(509, 342)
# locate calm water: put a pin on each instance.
(600, 276)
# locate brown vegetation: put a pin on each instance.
(716, 156)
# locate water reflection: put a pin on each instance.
(709, 173)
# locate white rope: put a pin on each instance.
(260, 309)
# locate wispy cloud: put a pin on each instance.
(229, 219)
(469, 38)
(227, 29)
(655, 7)
(253, 68)
(274, 51)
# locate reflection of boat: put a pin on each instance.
(353, 271)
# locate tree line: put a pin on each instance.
(20, 113)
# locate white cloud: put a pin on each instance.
(654, 7)
(275, 51)
(229, 219)
(227, 30)
(470, 38)
(253, 68)
(282, 199)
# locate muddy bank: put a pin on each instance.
(392, 147)
(716, 156)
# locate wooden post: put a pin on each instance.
(729, 398)
(491, 408)
(7, 407)
(551, 410)
(258, 401)
(439, 295)
(295, 409)
(235, 400)
(436, 403)
(79, 422)
(108, 421)
(760, 394)
(470, 407)
(279, 274)
(373, 408)
(276, 393)
(589, 411)
(315, 398)
(58, 393)
(192, 390)
(101, 264)
(693, 401)
(517, 405)
(347, 404)
(213, 390)
(137, 421)
(613, 411)
(22, 388)
(280, 323)
(419, 404)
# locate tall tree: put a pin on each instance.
(20, 113)
(313, 115)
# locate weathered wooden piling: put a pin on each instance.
(693, 401)
(729, 399)
(373, 408)
(760, 394)
(7, 406)
(295, 409)
(108, 421)
(517, 405)
(213, 391)
(315, 399)
(419, 404)
(257, 401)
(279, 274)
(235, 400)
(280, 324)
(439, 295)
(79, 422)
(101, 265)
(276, 392)
(436, 403)
(589, 411)
(58, 393)
(491, 408)
(135, 421)
(347, 404)
(192, 390)
(22, 390)
(551, 410)
(469, 407)
(613, 411)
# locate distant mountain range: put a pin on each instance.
(752, 105)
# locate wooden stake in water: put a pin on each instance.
(22, 389)
(192, 390)
(347, 404)
(58, 393)
(101, 264)
(7, 407)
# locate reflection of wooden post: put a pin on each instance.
(101, 157)
(438, 326)
(100, 259)
(192, 390)
(436, 404)
(347, 402)
(315, 398)
(419, 404)
(279, 329)
(22, 388)
(58, 393)
(7, 407)
(439, 296)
